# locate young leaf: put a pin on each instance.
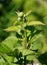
(13, 28)
(20, 14)
(35, 37)
(32, 23)
(27, 52)
(28, 13)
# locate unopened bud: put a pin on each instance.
(19, 19)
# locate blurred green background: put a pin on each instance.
(8, 9)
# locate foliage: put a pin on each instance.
(23, 35)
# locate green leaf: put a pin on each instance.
(35, 37)
(33, 23)
(28, 13)
(5, 49)
(26, 52)
(31, 57)
(16, 53)
(5, 58)
(20, 14)
(10, 41)
(13, 28)
(36, 46)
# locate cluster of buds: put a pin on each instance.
(22, 16)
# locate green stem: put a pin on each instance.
(24, 60)
(25, 39)
(32, 62)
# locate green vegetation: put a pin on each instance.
(23, 32)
